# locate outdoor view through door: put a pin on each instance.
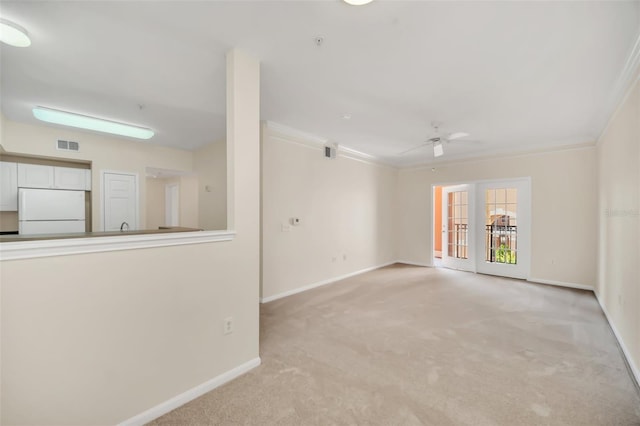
(501, 239)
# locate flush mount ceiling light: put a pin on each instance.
(438, 150)
(13, 34)
(357, 2)
(91, 123)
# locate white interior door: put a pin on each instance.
(172, 204)
(457, 227)
(120, 201)
(504, 219)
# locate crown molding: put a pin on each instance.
(295, 133)
(627, 78)
(497, 154)
(314, 141)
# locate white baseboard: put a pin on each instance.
(635, 372)
(561, 284)
(320, 283)
(193, 393)
(408, 262)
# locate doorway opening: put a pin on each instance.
(172, 204)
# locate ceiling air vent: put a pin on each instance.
(68, 145)
(330, 151)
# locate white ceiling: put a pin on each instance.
(516, 75)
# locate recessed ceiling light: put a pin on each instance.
(13, 34)
(357, 2)
(91, 123)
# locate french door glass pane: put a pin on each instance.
(501, 242)
(458, 224)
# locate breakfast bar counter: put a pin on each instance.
(10, 238)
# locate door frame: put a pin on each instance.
(103, 193)
(175, 203)
(525, 243)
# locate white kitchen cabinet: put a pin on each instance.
(8, 187)
(35, 176)
(53, 177)
(68, 178)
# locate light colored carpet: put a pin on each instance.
(420, 346)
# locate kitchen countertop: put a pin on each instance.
(12, 238)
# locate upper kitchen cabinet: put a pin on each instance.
(68, 178)
(8, 187)
(35, 176)
(53, 177)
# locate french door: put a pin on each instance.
(457, 227)
(503, 211)
(486, 227)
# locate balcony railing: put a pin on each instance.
(458, 241)
(501, 244)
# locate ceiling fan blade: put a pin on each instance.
(457, 135)
(413, 149)
(470, 141)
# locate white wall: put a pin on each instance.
(210, 166)
(95, 339)
(190, 202)
(618, 186)
(346, 206)
(155, 205)
(564, 203)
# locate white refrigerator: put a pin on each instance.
(50, 211)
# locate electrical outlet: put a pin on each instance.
(228, 325)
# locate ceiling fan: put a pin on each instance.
(436, 140)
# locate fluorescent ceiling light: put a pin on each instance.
(13, 34)
(91, 123)
(357, 2)
(438, 150)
